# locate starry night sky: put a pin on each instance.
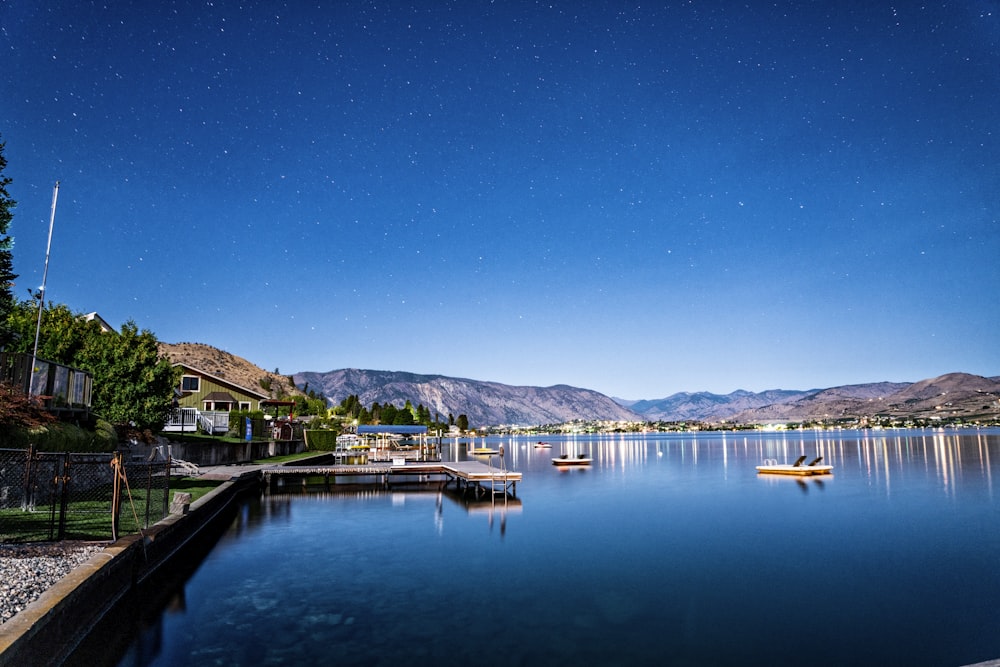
(637, 198)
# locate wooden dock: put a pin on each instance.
(472, 477)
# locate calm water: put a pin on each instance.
(670, 550)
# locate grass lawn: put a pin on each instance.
(197, 487)
(88, 515)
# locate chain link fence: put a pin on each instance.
(48, 496)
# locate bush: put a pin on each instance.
(321, 440)
(63, 437)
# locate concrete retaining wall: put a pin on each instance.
(227, 453)
(53, 626)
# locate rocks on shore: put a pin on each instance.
(28, 570)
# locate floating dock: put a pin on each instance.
(473, 477)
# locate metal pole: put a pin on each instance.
(45, 277)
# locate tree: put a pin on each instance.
(462, 422)
(20, 411)
(403, 417)
(64, 333)
(7, 274)
(133, 385)
(387, 415)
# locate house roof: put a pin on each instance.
(105, 327)
(220, 397)
(223, 381)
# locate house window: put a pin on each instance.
(244, 406)
(190, 383)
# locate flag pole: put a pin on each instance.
(45, 277)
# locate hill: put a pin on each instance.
(229, 367)
(484, 403)
(955, 395)
(705, 406)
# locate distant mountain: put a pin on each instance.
(484, 403)
(854, 400)
(490, 403)
(704, 406)
(955, 394)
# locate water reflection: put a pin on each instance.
(639, 559)
(880, 457)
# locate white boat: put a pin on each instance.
(771, 466)
(567, 460)
(541, 445)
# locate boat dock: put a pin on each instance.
(475, 477)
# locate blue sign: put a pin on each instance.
(249, 430)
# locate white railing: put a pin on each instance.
(214, 421)
(190, 419)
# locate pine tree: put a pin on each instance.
(7, 275)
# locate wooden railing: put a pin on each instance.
(61, 387)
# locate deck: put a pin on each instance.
(472, 477)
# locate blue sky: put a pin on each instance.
(634, 198)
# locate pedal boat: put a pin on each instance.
(772, 467)
(567, 460)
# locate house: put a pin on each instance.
(209, 393)
(101, 322)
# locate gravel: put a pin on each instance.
(28, 570)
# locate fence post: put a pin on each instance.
(27, 497)
(166, 487)
(64, 481)
(116, 495)
(54, 497)
(149, 490)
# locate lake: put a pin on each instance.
(669, 550)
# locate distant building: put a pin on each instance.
(94, 317)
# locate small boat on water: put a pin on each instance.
(541, 445)
(484, 451)
(567, 460)
(771, 466)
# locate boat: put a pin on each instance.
(772, 467)
(567, 460)
(541, 445)
(484, 451)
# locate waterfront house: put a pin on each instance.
(206, 392)
(207, 400)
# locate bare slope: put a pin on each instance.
(229, 367)
(952, 395)
(484, 403)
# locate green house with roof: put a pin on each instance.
(205, 392)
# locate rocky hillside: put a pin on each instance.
(229, 367)
(705, 406)
(491, 403)
(952, 395)
(484, 403)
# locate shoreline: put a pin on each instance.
(58, 620)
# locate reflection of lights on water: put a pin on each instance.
(984, 462)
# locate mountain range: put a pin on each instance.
(484, 403)
(961, 395)
(952, 395)
(491, 403)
